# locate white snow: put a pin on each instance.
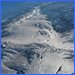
(34, 28)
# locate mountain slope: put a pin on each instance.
(33, 46)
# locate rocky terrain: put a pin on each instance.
(31, 45)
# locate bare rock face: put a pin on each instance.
(33, 46)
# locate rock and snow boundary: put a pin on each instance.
(35, 47)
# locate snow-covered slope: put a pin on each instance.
(34, 28)
(33, 46)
